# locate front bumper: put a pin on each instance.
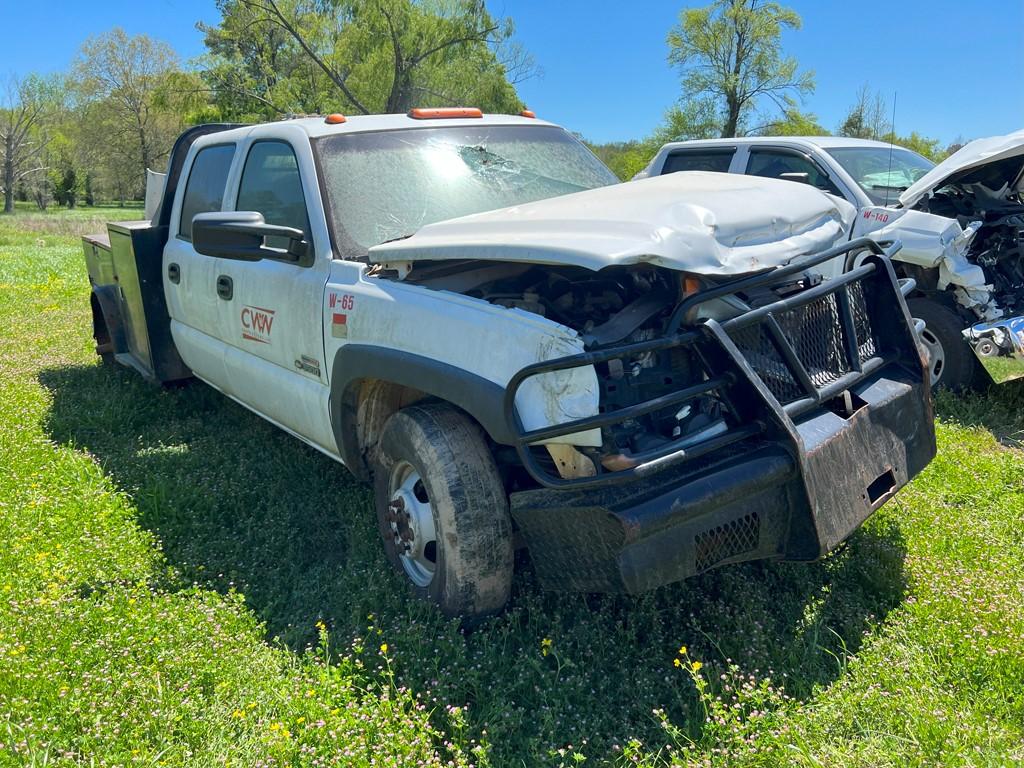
(817, 443)
(999, 347)
(792, 500)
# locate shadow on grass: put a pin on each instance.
(238, 504)
(999, 409)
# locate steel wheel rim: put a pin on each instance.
(936, 355)
(411, 522)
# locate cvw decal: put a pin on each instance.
(257, 324)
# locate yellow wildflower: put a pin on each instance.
(682, 650)
(384, 648)
(695, 666)
(545, 646)
(677, 662)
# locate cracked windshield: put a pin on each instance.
(385, 186)
(882, 172)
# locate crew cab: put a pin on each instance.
(961, 225)
(636, 382)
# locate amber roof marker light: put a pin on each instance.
(335, 119)
(440, 113)
(527, 113)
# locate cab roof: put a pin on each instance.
(824, 142)
(318, 126)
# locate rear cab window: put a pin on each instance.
(207, 180)
(717, 160)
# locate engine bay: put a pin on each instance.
(990, 195)
(619, 306)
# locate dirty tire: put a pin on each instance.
(473, 554)
(959, 368)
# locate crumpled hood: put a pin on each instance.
(974, 155)
(705, 223)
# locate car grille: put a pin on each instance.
(815, 332)
(737, 537)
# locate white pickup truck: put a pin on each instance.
(637, 382)
(961, 225)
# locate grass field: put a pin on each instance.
(181, 584)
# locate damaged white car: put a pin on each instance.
(635, 382)
(960, 225)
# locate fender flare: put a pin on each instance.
(481, 398)
(108, 300)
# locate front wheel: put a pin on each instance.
(951, 362)
(443, 511)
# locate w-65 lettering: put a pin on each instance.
(636, 382)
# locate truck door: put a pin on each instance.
(190, 277)
(272, 318)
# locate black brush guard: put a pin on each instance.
(830, 410)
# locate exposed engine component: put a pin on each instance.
(990, 195)
(616, 306)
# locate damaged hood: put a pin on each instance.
(705, 223)
(974, 155)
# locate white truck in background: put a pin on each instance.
(637, 382)
(961, 224)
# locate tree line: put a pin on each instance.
(88, 135)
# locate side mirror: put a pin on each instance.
(803, 177)
(242, 235)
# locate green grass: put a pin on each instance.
(182, 584)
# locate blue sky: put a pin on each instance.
(954, 66)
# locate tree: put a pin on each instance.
(625, 158)
(365, 56)
(27, 104)
(868, 117)
(730, 53)
(130, 77)
(692, 119)
(795, 123)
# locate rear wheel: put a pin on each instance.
(951, 362)
(442, 510)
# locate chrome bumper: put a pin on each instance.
(999, 347)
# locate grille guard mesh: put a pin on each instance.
(803, 350)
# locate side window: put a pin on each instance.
(271, 185)
(204, 191)
(773, 164)
(702, 160)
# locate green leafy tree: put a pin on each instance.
(915, 141)
(729, 54)
(625, 158)
(691, 119)
(795, 123)
(269, 57)
(130, 77)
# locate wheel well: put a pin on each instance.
(369, 383)
(368, 404)
(100, 332)
(927, 279)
